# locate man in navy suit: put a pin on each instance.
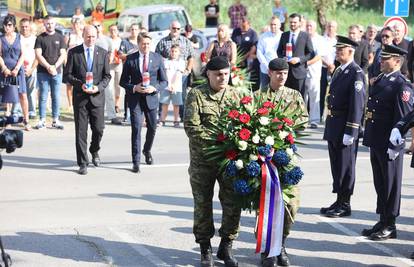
(143, 98)
(88, 101)
(345, 103)
(302, 52)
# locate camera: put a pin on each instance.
(10, 139)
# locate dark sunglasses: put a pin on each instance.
(174, 28)
(385, 36)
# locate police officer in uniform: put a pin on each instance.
(390, 99)
(203, 107)
(400, 129)
(292, 100)
(345, 103)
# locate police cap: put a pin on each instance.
(392, 51)
(342, 41)
(278, 64)
(218, 63)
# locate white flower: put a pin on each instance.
(256, 139)
(253, 157)
(264, 120)
(283, 134)
(295, 160)
(289, 151)
(239, 164)
(242, 145)
(269, 141)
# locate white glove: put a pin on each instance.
(392, 154)
(395, 137)
(347, 140)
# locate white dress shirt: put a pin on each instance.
(267, 49)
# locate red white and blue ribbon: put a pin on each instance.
(271, 211)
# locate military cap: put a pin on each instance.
(343, 41)
(392, 51)
(218, 63)
(278, 64)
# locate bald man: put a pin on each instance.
(88, 97)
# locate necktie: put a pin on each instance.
(337, 72)
(89, 59)
(293, 42)
(145, 64)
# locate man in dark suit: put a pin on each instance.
(302, 52)
(88, 99)
(345, 104)
(142, 97)
(361, 56)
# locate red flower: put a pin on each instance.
(221, 137)
(246, 100)
(244, 118)
(244, 134)
(290, 139)
(276, 120)
(262, 111)
(231, 154)
(288, 121)
(233, 114)
(234, 68)
(268, 104)
(279, 127)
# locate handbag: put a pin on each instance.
(9, 90)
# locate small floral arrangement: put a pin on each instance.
(250, 133)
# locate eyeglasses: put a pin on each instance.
(175, 28)
(385, 36)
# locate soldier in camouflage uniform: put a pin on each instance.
(278, 72)
(203, 107)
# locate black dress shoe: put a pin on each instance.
(283, 258)
(375, 228)
(206, 259)
(83, 170)
(386, 232)
(333, 206)
(135, 168)
(148, 157)
(412, 256)
(268, 262)
(225, 253)
(116, 121)
(96, 160)
(342, 210)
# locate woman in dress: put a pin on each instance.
(11, 65)
(223, 46)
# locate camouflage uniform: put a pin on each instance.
(202, 110)
(293, 99)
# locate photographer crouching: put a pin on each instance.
(10, 139)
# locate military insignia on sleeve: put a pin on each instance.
(405, 96)
(359, 85)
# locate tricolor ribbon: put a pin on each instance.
(271, 213)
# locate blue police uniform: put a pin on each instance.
(390, 99)
(404, 125)
(345, 103)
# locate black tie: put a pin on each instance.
(337, 72)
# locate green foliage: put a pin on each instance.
(345, 12)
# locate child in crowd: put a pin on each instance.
(174, 67)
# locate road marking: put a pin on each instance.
(142, 250)
(360, 238)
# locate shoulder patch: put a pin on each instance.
(405, 95)
(358, 85)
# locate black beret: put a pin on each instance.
(278, 64)
(342, 41)
(218, 63)
(392, 51)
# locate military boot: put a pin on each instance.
(388, 230)
(225, 253)
(268, 261)
(283, 258)
(206, 255)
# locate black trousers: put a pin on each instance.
(297, 84)
(343, 159)
(139, 109)
(324, 87)
(95, 117)
(387, 181)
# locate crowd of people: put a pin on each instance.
(296, 65)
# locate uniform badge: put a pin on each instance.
(392, 79)
(359, 85)
(346, 72)
(405, 96)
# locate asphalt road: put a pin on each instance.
(51, 216)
